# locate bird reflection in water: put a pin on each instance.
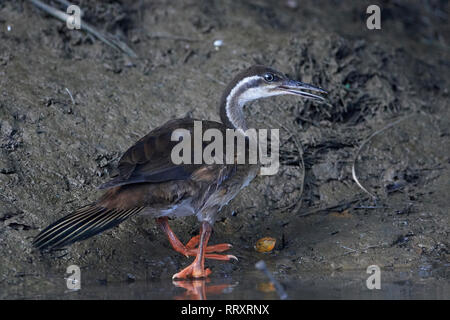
(201, 289)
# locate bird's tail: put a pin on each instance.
(80, 225)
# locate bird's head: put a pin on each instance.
(259, 82)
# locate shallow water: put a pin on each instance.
(418, 284)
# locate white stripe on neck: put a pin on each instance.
(236, 116)
(242, 99)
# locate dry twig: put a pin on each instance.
(109, 39)
(361, 148)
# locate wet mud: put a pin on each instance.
(71, 105)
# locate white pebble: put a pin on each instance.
(218, 43)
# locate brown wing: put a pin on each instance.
(149, 159)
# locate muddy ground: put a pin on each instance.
(55, 151)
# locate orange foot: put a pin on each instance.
(198, 247)
(193, 271)
(196, 269)
(192, 250)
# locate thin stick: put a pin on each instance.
(73, 101)
(363, 145)
(107, 38)
(339, 207)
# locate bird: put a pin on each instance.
(148, 182)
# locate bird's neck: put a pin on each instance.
(235, 96)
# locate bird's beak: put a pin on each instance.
(299, 88)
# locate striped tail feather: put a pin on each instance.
(80, 225)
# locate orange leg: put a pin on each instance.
(190, 248)
(197, 268)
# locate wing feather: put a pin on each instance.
(149, 159)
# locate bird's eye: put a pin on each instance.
(269, 77)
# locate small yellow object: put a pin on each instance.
(265, 244)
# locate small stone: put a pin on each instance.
(293, 4)
(218, 44)
(131, 277)
(135, 39)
